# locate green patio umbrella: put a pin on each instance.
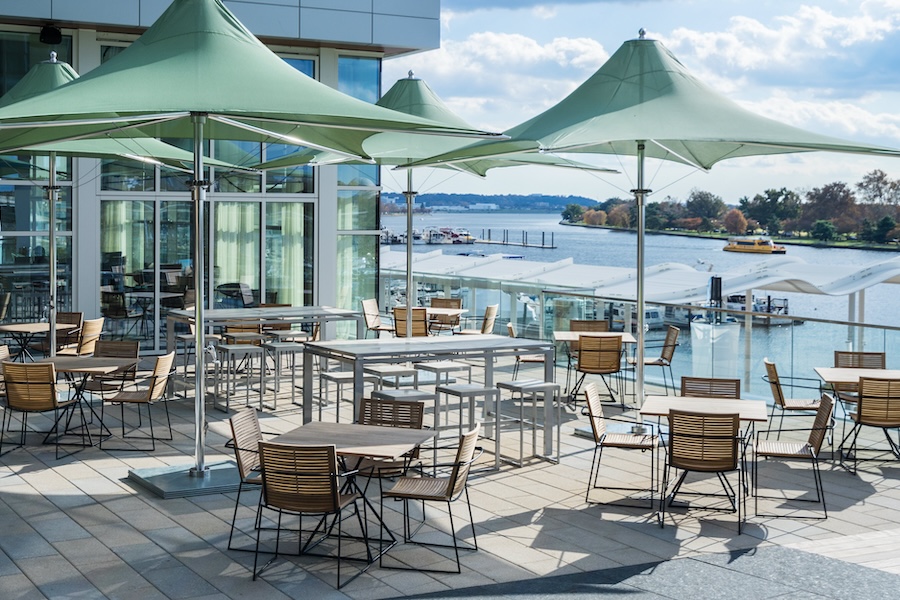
(643, 102)
(49, 75)
(414, 97)
(198, 73)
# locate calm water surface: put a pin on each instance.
(614, 248)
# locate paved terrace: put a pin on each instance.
(76, 528)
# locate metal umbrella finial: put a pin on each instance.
(642, 33)
(411, 74)
(53, 56)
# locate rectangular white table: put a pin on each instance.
(839, 375)
(265, 316)
(572, 336)
(360, 353)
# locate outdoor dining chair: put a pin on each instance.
(87, 340)
(487, 322)
(307, 481)
(796, 451)
(522, 359)
(639, 437)
(145, 392)
(846, 392)
(113, 382)
(705, 443)
(664, 360)
(785, 405)
(877, 405)
(441, 488)
(710, 387)
(441, 323)
(32, 388)
(598, 356)
(406, 414)
(419, 319)
(372, 316)
(580, 325)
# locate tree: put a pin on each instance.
(619, 216)
(704, 204)
(884, 228)
(877, 188)
(834, 202)
(573, 213)
(735, 222)
(823, 230)
(594, 217)
(771, 207)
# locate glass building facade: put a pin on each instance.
(287, 235)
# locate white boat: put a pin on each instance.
(653, 316)
(775, 309)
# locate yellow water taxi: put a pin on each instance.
(753, 245)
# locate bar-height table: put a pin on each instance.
(360, 353)
(264, 316)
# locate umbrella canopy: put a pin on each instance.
(49, 75)
(413, 96)
(199, 59)
(643, 102)
(198, 73)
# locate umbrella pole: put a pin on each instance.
(52, 196)
(410, 289)
(198, 189)
(639, 194)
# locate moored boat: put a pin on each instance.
(753, 245)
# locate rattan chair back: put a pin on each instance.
(703, 442)
(879, 402)
(408, 414)
(419, 321)
(302, 479)
(710, 387)
(595, 411)
(599, 355)
(669, 344)
(246, 435)
(30, 387)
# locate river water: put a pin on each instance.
(615, 248)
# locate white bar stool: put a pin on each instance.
(278, 350)
(341, 378)
(467, 393)
(549, 392)
(231, 357)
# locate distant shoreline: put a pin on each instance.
(788, 241)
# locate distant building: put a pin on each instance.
(483, 207)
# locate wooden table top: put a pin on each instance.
(351, 439)
(749, 410)
(852, 374)
(572, 336)
(34, 327)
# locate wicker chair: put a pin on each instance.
(32, 388)
(598, 356)
(643, 441)
(245, 437)
(785, 405)
(846, 392)
(113, 382)
(445, 489)
(373, 317)
(90, 333)
(585, 326)
(522, 358)
(877, 405)
(147, 395)
(419, 321)
(705, 443)
(796, 451)
(664, 360)
(302, 481)
(407, 414)
(710, 387)
(487, 322)
(440, 323)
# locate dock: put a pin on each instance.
(489, 236)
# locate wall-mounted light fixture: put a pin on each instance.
(51, 35)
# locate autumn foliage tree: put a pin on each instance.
(619, 216)
(734, 221)
(594, 217)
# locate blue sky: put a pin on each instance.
(832, 67)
